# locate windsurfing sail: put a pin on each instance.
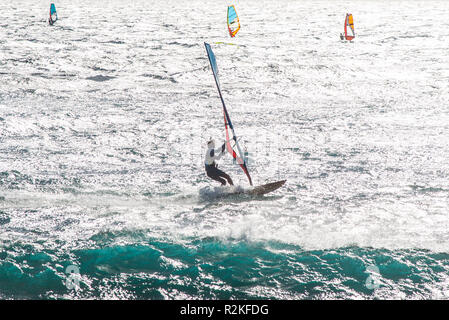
(53, 14)
(227, 120)
(349, 27)
(233, 21)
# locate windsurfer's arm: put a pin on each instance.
(223, 146)
(219, 152)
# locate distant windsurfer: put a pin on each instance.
(341, 36)
(212, 171)
(53, 15)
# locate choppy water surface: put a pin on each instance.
(103, 123)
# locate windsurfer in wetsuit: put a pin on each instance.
(211, 166)
(341, 36)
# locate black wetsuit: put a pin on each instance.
(214, 173)
(211, 167)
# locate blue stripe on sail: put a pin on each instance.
(213, 62)
(52, 9)
(232, 15)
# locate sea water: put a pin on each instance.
(104, 119)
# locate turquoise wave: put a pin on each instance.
(213, 269)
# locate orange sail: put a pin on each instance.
(349, 27)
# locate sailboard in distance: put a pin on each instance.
(349, 27)
(233, 21)
(53, 14)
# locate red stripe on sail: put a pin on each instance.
(233, 153)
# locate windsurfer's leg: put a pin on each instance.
(227, 177)
(214, 174)
(217, 178)
(222, 181)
